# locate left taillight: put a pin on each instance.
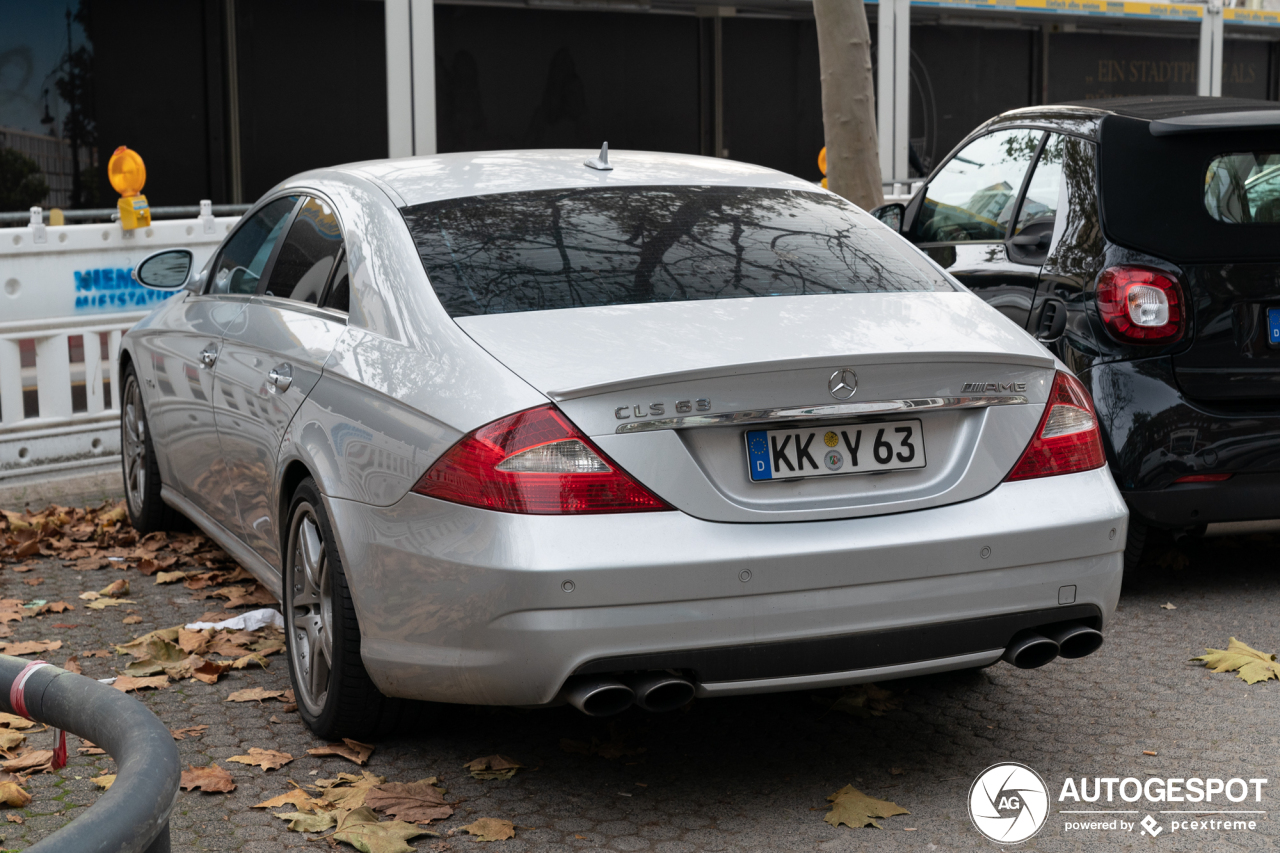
(1067, 439)
(1140, 305)
(534, 462)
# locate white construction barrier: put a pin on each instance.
(66, 297)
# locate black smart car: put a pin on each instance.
(1139, 238)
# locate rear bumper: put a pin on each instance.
(1245, 497)
(465, 605)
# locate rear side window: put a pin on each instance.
(1244, 188)
(550, 249)
(307, 255)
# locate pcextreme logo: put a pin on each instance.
(1009, 803)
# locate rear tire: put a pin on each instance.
(147, 512)
(336, 697)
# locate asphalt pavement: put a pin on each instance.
(752, 773)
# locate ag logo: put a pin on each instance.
(1008, 803)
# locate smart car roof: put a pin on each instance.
(416, 180)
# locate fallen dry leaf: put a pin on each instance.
(105, 782)
(1248, 663)
(125, 683)
(491, 829)
(362, 830)
(254, 694)
(304, 822)
(96, 653)
(267, 759)
(103, 603)
(33, 581)
(73, 665)
(187, 731)
(212, 779)
(297, 798)
(13, 795)
(417, 802)
(89, 596)
(352, 750)
(170, 577)
(30, 647)
(192, 641)
(30, 762)
(115, 589)
(1168, 606)
(10, 740)
(210, 671)
(15, 818)
(13, 721)
(854, 808)
(866, 700)
(493, 767)
(132, 620)
(348, 790)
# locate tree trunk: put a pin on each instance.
(848, 101)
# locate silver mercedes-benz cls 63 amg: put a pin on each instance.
(510, 428)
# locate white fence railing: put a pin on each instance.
(66, 298)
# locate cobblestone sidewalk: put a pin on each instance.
(749, 773)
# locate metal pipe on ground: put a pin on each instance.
(133, 816)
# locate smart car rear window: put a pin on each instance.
(541, 250)
(1244, 188)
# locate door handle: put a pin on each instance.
(281, 376)
(209, 355)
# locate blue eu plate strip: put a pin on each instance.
(758, 455)
(1273, 326)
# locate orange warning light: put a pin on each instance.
(127, 172)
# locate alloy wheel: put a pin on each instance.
(135, 447)
(310, 610)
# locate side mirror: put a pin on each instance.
(891, 215)
(166, 270)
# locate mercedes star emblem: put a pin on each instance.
(843, 383)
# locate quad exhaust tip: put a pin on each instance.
(599, 696)
(606, 695)
(1030, 649)
(660, 691)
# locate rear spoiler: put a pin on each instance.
(1210, 122)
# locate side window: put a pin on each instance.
(1041, 204)
(972, 198)
(240, 264)
(307, 256)
(338, 296)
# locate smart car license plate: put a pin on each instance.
(786, 454)
(1273, 326)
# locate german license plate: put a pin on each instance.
(787, 454)
(1273, 326)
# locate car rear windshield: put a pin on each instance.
(536, 251)
(1244, 188)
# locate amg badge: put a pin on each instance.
(1017, 387)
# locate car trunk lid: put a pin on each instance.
(670, 391)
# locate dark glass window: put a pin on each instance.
(339, 295)
(242, 260)
(307, 255)
(549, 249)
(1244, 188)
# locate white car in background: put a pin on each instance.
(508, 428)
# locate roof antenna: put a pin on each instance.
(602, 161)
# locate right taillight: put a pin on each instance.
(1140, 305)
(1067, 439)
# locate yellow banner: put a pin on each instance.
(1251, 16)
(1116, 8)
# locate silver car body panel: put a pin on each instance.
(466, 605)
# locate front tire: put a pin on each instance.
(336, 697)
(147, 512)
